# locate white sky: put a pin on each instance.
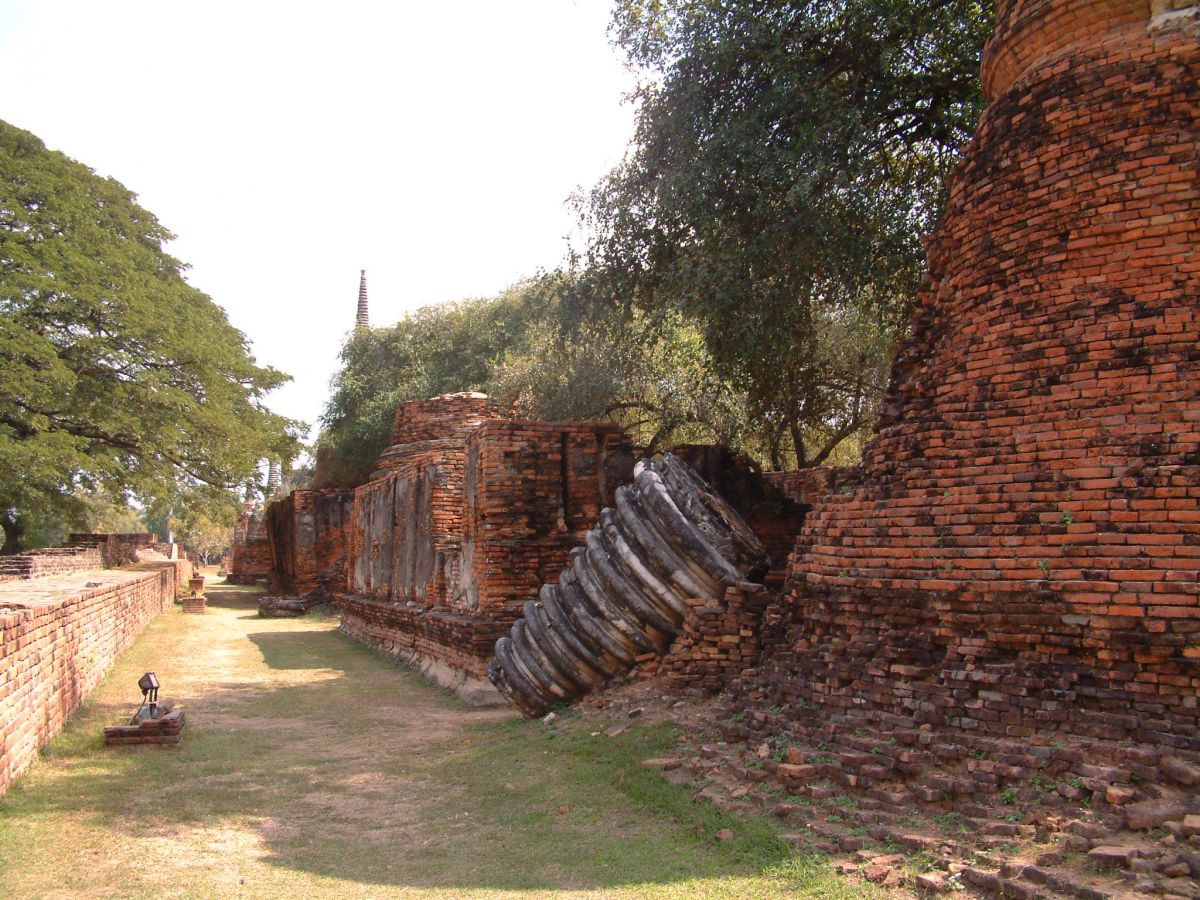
(289, 144)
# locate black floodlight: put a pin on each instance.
(149, 685)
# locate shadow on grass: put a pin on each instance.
(292, 649)
(369, 775)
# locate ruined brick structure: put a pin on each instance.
(306, 534)
(1019, 549)
(718, 642)
(467, 513)
(250, 558)
(809, 486)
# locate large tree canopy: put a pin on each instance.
(787, 157)
(114, 371)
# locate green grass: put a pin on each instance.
(312, 766)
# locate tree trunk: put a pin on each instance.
(798, 445)
(13, 532)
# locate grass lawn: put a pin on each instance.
(313, 767)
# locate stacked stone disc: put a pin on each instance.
(670, 537)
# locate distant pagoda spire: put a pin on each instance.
(274, 475)
(362, 321)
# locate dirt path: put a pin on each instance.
(312, 766)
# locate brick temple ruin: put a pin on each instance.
(1019, 548)
(249, 560)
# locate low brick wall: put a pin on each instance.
(82, 553)
(58, 636)
(449, 647)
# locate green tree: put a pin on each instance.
(114, 371)
(786, 159)
(203, 538)
(537, 349)
(655, 379)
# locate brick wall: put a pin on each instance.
(58, 636)
(84, 552)
(810, 486)
(1019, 549)
(532, 492)
(49, 561)
(466, 515)
(306, 531)
(719, 641)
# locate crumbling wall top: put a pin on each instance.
(447, 416)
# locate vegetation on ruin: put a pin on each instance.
(752, 262)
(117, 377)
(312, 766)
(537, 349)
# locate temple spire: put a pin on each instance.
(361, 321)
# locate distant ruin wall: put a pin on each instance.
(306, 534)
(57, 639)
(809, 486)
(250, 558)
(49, 561)
(1019, 549)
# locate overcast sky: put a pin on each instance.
(289, 144)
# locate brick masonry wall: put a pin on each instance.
(718, 642)
(533, 490)
(810, 486)
(81, 553)
(122, 549)
(307, 531)
(48, 562)
(467, 514)
(250, 558)
(58, 636)
(1020, 546)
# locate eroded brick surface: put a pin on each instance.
(306, 534)
(1019, 549)
(468, 513)
(81, 553)
(250, 559)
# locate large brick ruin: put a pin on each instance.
(1018, 551)
(249, 560)
(306, 539)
